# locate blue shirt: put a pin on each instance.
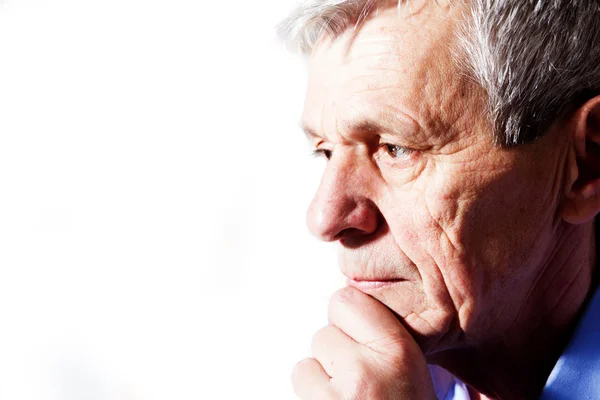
(576, 375)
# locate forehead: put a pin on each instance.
(396, 69)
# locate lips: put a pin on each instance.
(369, 285)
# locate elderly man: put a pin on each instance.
(462, 184)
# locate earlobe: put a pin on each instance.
(581, 202)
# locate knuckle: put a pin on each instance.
(299, 369)
(343, 295)
(323, 333)
(321, 338)
(341, 298)
(318, 335)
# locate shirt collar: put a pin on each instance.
(576, 374)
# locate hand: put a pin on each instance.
(363, 354)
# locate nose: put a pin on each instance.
(343, 205)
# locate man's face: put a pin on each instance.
(416, 191)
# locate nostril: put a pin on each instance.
(364, 217)
(342, 206)
(354, 238)
(328, 214)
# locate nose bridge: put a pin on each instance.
(343, 199)
(336, 189)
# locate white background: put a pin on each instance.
(153, 187)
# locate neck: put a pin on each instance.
(517, 365)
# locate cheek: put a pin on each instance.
(443, 229)
(423, 230)
(469, 233)
(495, 224)
(423, 224)
(503, 227)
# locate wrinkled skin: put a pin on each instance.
(455, 218)
(416, 190)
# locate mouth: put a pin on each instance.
(370, 285)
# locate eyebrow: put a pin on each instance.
(365, 125)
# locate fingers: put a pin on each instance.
(364, 353)
(310, 381)
(367, 321)
(334, 350)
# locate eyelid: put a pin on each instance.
(321, 151)
(405, 150)
(406, 142)
(403, 159)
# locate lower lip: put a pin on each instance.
(371, 285)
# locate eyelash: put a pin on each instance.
(387, 147)
(322, 153)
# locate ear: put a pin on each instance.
(581, 202)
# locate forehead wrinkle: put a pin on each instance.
(435, 98)
(407, 94)
(386, 107)
(373, 50)
(388, 116)
(382, 94)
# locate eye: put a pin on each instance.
(395, 151)
(322, 153)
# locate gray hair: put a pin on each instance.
(537, 60)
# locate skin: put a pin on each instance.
(491, 249)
